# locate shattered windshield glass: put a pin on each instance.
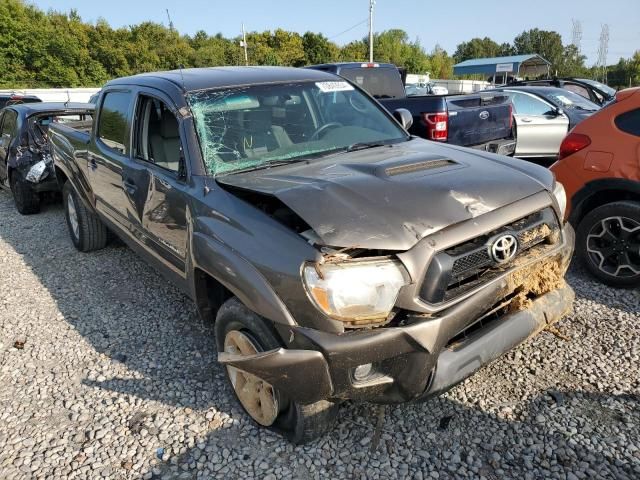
(258, 126)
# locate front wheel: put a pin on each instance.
(608, 243)
(238, 330)
(27, 201)
(87, 231)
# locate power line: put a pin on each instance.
(349, 29)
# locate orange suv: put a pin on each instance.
(599, 166)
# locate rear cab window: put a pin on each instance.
(379, 82)
(113, 121)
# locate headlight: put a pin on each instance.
(358, 293)
(561, 198)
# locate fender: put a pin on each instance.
(68, 165)
(239, 277)
(622, 186)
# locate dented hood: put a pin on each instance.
(392, 196)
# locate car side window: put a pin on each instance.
(527, 105)
(629, 122)
(112, 123)
(157, 134)
(580, 90)
(9, 125)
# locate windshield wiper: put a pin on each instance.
(364, 145)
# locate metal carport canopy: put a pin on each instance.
(532, 64)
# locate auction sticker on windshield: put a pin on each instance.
(329, 87)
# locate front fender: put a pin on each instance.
(239, 277)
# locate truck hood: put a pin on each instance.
(390, 197)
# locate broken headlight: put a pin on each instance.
(38, 172)
(561, 198)
(358, 292)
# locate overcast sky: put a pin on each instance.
(437, 21)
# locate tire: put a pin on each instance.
(87, 232)
(27, 201)
(299, 423)
(608, 243)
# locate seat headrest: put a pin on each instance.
(256, 121)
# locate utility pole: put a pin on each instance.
(371, 4)
(170, 22)
(243, 44)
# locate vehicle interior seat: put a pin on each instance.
(164, 140)
(259, 134)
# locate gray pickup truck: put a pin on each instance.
(339, 257)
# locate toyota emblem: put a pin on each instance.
(484, 115)
(504, 248)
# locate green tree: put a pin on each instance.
(317, 49)
(545, 43)
(476, 48)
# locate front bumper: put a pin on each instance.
(423, 357)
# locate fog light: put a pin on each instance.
(361, 372)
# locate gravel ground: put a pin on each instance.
(106, 372)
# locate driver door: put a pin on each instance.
(540, 130)
(7, 134)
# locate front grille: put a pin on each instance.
(463, 267)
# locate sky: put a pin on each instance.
(345, 20)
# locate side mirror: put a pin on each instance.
(403, 116)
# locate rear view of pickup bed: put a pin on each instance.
(480, 120)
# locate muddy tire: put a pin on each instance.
(299, 423)
(87, 231)
(608, 243)
(27, 201)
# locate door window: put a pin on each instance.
(9, 126)
(157, 136)
(579, 89)
(629, 122)
(528, 105)
(112, 126)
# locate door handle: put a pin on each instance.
(527, 120)
(130, 186)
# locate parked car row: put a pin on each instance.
(339, 257)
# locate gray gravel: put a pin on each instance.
(106, 372)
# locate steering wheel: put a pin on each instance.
(324, 128)
(358, 104)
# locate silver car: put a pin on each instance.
(543, 116)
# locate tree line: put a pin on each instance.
(55, 49)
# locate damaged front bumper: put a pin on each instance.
(425, 356)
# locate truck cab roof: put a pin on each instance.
(192, 79)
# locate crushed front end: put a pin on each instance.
(469, 293)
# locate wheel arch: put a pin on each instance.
(220, 273)
(601, 192)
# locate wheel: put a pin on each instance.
(608, 243)
(241, 331)
(87, 231)
(27, 201)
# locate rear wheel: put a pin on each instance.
(87, 231)
(608, 243)
(241, 331)
(27, 201)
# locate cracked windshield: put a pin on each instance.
(259, 126)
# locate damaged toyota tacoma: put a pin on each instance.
(339, 257)
(26, 165)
